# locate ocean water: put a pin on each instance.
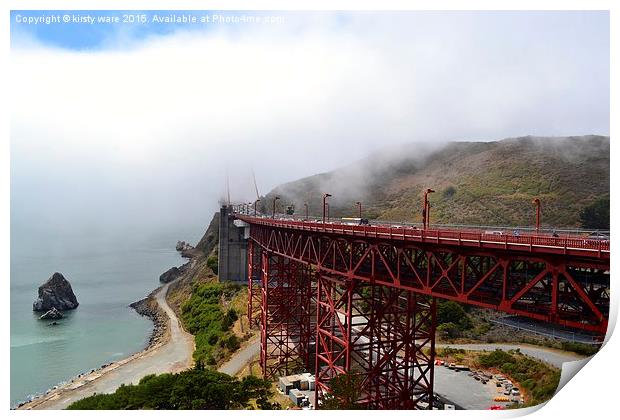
(108, 271)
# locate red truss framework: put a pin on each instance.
(286, 312)
(254, 284)
(378, 333)
(569, 290)
(332, 303)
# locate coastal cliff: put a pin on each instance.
(198, 270)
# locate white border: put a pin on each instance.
(592, 394)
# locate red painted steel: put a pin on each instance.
(379, 334)
(339, 298)
(466, 238)
(254, 284)
(560, 280)
(285, 316)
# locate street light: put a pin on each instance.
(324, 204)
(306, 206)
(426, 209)
(273, 216)
(359, 206)
(255, 203)
(537, 204)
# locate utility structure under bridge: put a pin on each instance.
(335, 297)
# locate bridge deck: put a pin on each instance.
(468, 237)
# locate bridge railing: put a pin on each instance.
(470, 236)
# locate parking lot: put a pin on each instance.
(465, 391)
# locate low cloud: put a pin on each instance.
(145, 131)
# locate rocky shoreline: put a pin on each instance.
(146, 307)
(149, 308)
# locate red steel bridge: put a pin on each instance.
(338, 297)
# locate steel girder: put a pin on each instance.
(254, 284)
(286, 313)
(567, 290)
(382, 334)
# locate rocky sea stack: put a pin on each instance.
(52, 314)
(56, 293)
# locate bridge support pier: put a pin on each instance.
(384, 335)
(254, 284)
(286, 311)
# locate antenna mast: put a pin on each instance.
(227, 187)
(255, 186)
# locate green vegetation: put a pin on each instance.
(452, 319)
(580, 348)
(448, 351)
(204, 316)
(345, 392)
(196, 389)
(483, 183)
(596, 215)
(539, 379)
(449, 192)
(212, 263)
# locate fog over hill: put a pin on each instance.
(475, 182)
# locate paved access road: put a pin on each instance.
(173, 356)
(241, 358)
(552, 356)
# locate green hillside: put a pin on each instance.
(475, 182)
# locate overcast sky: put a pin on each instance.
(117, 125)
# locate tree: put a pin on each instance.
(194, 389)
(452, 312)
(595, 215)
(345, 392)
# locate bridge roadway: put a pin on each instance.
(469, 237)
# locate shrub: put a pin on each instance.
(453, 312)
(195, 389)
(203, 316)
(212, 263)
(449, 192)
(449, 329)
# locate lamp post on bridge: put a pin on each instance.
(249, 208)
(306, 206)
(359, 207)
(537, 204)
(273, 216)
(325, 196)
(255, 203)
(426, 209)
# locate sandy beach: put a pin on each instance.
(173, 353)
